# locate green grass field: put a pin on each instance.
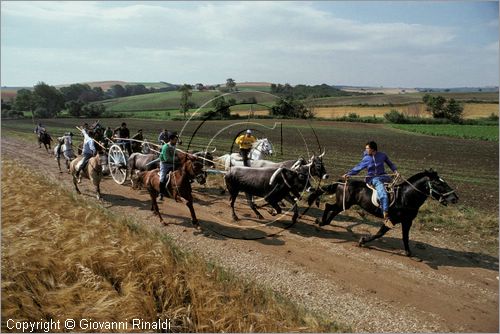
(481, 132)
(171, 100)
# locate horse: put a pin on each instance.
(409, 197)
(141, 162)
(103, 156)
(146, 162)
(92, 171)
(178, 185)
(66, 148)
(260, 149)
(45, 139)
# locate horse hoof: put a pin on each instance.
(260, 217)
(361, 242)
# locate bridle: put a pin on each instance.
(442, 196)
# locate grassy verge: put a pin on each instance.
(67, 257)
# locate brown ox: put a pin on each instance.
(92, 171)
(179, 185)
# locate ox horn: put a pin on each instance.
(214, 150)
(322, 154)
(271, 180)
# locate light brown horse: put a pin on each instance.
(92, 171)
(179, 185)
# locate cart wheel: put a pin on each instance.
(117, 164)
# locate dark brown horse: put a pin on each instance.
(45, 139)
(178, 186)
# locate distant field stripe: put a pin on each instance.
(481, 132)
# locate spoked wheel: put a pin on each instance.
(117, 164)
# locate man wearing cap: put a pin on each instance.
(245, 142)
(168, 162)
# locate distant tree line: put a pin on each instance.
(305, 91)
(46, 101)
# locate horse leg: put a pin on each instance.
(98, 191)
(59, 165)
(76, 187)
(232, 200)
(406, 232)
(331, 210)
(252, 206)
(154, 207)
(383, 230)
(189, 204)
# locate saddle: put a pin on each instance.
(390, 192)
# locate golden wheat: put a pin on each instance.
(66, 257)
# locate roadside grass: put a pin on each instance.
(476, 231)
(90, 263)
(481, 132)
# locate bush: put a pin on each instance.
(395, 116)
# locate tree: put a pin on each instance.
(435, 105)
(74, 92)
(93, 110)
(25, 100)
(230, 84)
(74, 108)
(185, 95)
(453, 111)
(49, 100)
(291, 108)
(117, 91)
(221, 107)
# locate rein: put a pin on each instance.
(431, 190)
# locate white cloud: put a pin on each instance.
(274, 41)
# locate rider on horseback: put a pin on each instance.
(245, 141)
(374, 162)
(88, 150)
(67, 139)
(39, 129)
(168, 162)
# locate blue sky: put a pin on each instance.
(367, 43)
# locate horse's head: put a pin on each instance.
(264, 146)
(194, 168)
(206, 157)
(439, 189)
(318, 167)
(146, 149)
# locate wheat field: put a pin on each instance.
(67, 257)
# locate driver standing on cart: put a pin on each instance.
(124, 135)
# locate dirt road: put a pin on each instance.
(374, 288)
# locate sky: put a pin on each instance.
(359, 43)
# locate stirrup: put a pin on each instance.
(388, 223)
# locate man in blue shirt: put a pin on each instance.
(374, 162)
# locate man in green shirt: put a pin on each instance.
(168, 161)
